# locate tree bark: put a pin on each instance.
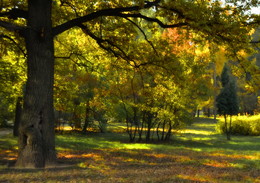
(230, 128)
(18, 111)
(87, 118)
(149, 126)
(215, 92)
(36, 131)
(226, 127)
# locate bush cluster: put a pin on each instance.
(242, 125)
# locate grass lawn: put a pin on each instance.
(197, 154)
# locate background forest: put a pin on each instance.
(173, 76)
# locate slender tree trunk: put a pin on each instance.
(230, 128)
(157, 131)
(148, 134)
(163, 130)
(149, 126)
(36, 131)
(18, 111)
(209, 112)
(226, 128)
(140, 129)
(215, 93)
(76, 119)
(87, 118)
(169, 133)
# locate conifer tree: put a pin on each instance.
(227, 100)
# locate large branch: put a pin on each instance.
(155, 20)
(106, 12)
(15, 13)
(11, 27)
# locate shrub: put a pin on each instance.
(242, 125)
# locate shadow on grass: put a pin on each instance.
(85, 142)
(203, 156)
(126, 165)
(64, 174)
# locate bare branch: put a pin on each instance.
(75, 62)
(16, 44)
(101, 42)
(74, 9)
(145, 37)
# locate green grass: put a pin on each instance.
(197, 154)
(202, 135)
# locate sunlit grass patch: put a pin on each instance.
(194, 131)
(83, 142)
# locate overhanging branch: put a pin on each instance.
(101, 42)
(69, 57)
(155, 20)
(255, 42)
(11, 26)
(15, 13)
(145, 37)
(106, 12)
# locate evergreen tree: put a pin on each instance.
(225, 76)
(227, 100)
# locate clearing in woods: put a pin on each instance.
(197, 154)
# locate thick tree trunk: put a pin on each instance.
(36, 131)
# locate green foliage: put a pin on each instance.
(225, 76)
(12, 77)
(227, 100)
(242, 125)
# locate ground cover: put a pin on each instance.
(197, 154)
